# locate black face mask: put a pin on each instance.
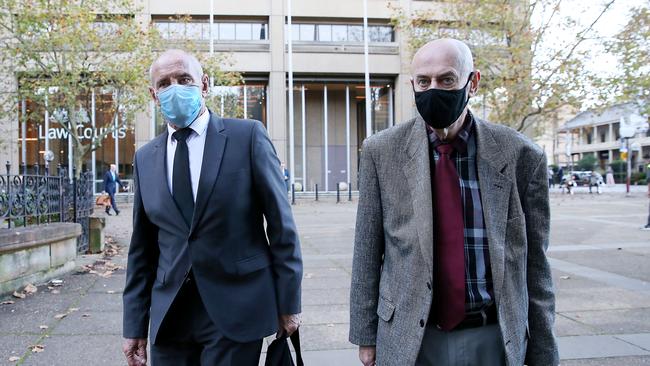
(440, 108)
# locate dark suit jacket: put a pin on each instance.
(245, 280)
(110, 184)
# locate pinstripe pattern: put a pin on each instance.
(478, 280)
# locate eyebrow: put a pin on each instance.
(175, 76)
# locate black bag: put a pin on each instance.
(279, 354)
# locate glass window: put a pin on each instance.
(227, 31)
(380, 33)
(355, 33)
(307, 32)
(259, 32)
(163, 28)
(295, 32)
(243, 31)
(215, 31)
(194, 30)
(339, 33)
(176, 31)
(324, 33)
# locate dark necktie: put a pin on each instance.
(449, 242)
(181, 179)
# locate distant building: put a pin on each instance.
(598, 133)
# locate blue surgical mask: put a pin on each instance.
(180, 104)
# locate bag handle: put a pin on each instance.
(295, 341)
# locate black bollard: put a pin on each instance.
(316, 192)
(338, 193)
(349, 191)
(293, 193)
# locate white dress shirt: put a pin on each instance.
(195, 145)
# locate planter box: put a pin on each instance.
(36, 254)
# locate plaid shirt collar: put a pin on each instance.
(460, 142)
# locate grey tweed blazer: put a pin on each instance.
(393, 247)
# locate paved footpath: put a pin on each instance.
(599, 256)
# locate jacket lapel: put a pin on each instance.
(215, 143)
(160, 175)
(418, 176)
(495, 196)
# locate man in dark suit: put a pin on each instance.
(202, 276)
(111, 180)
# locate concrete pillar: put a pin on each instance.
(277, 123)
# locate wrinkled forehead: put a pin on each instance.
(169, 67)
(436, 62)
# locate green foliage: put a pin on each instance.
(588, 162)
(527, 75)
(631, 82)
(61, 51)
(638, 178)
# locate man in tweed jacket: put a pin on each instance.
(396, 292)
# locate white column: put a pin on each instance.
(47, 126)
(211, 23)
(70, 154)
(292, 147)
(152, 121)
(326, 142)
(304, 137)
(611, 133)
(222, 105)
(391, 118)
(366, 67)
(245, 102)
(347, 133)
(93, 121)
(23, 131)
(116, 136)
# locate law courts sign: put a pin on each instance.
(84, 133)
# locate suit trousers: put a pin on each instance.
(481, 346)
(188, 337)
(113, 204)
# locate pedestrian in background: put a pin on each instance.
(550, 177)
(449, 264)
(111, 181)
(285, 174)
(609, 176)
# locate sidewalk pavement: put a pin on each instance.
(598, 255)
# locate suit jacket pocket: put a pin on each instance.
(385, 309)
(160, 276)
(252, 264)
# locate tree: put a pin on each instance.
(527, 75)
(61, 51)
(588, 162)
(631, 46)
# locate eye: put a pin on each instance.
(423, 83)
(448, 81)
(186, 80)
(163, 84)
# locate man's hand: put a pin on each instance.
(288, 324)
(135, 351)
(367, 355)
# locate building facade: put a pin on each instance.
(328, 72)
(598, 133)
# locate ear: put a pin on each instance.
(205, 85)
(476, 78)
(152, 92)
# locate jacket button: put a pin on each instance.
(429, 286)
(422, 323)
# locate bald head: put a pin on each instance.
(174, 61)
(440, 61)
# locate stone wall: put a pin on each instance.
(36, 254)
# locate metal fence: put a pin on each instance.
(39, 198)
